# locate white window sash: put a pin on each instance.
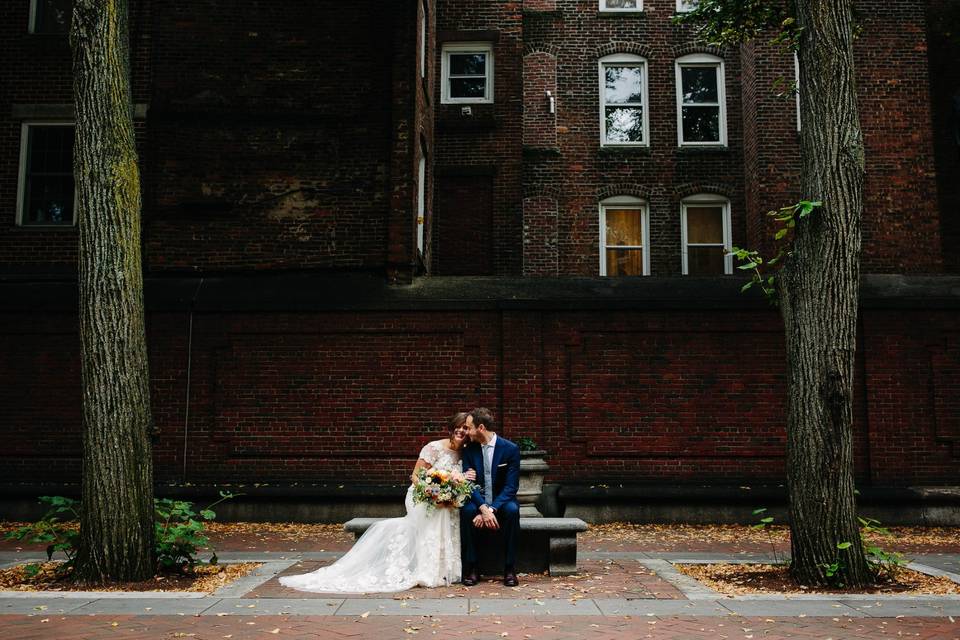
(621, 203)
(702, 62)
(604, 8)
(727, 244)
(466, 48)
(624, 60)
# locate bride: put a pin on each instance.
(422, 548)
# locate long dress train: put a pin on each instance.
(421, 548)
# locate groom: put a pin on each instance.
(493, 506)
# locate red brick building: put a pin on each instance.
(359, 218)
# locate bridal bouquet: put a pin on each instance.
(441, 489)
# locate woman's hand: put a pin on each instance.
(470, 475)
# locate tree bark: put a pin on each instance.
(116, 528)
(820, 288)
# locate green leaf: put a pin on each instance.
(748, 266)
(744, 288)
(844, 545)
(767, 520)
(757, 512)
(780, 234)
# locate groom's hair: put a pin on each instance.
(483, 416)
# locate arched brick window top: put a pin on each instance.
(635, 48)
(637, 191)
(693, 48)
(544, 48)
(697, 189)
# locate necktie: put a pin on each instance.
(487, 475)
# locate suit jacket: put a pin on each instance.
(505, 471)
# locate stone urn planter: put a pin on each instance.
(533, 468)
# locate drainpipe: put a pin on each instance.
(186, 413)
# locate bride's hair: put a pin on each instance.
(456, 420)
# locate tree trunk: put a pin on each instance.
(116, 527)
(820, 288)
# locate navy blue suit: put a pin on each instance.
(506, 480)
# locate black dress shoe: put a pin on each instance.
(470, 579)
(510, 579)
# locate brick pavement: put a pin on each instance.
(601, 578)
(120, 627)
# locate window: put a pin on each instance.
(796, 87)
(686, 5)
(50, 16)
(705, 234)
(623, 100)
(421, 196)
(423, 40)
(621, 5)
(623, 237)
(46, 193)
(467, 73)
(701, 108)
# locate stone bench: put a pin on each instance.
(545, 544)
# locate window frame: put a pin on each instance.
(796, 90)
(706, 200)
(22, 174)
(680, 7)
(625, 202)
(702, 60)
(623, 60)
(423, 40)
(603, 8)
(466, 47)
(421, 219)
(32, 22)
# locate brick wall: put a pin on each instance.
(628, 396)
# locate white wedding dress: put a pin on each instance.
(420, 549)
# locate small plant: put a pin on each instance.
(526, 444)
(54, 531)
(886, 564)
(764, 525)
(179, 532)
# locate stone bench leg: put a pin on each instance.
(563, 554)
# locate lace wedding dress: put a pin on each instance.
(422, 548)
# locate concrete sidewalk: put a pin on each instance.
(618, 594)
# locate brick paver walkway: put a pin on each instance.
(618, 578)
(603, 578)
(493, 627)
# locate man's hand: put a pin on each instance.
(489, 518)
(470, 475)
(478, 521)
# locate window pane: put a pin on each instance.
(705, 261)
(467, 87)
(705, 225)
(699, 84)
(50, 149)
(687, 5)
(468, 64)
(49, 200)
(624, 227)
(624, 124)
(53, 16)
(624, 84)
(701, 124)
(624, 262)
(621, 4)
